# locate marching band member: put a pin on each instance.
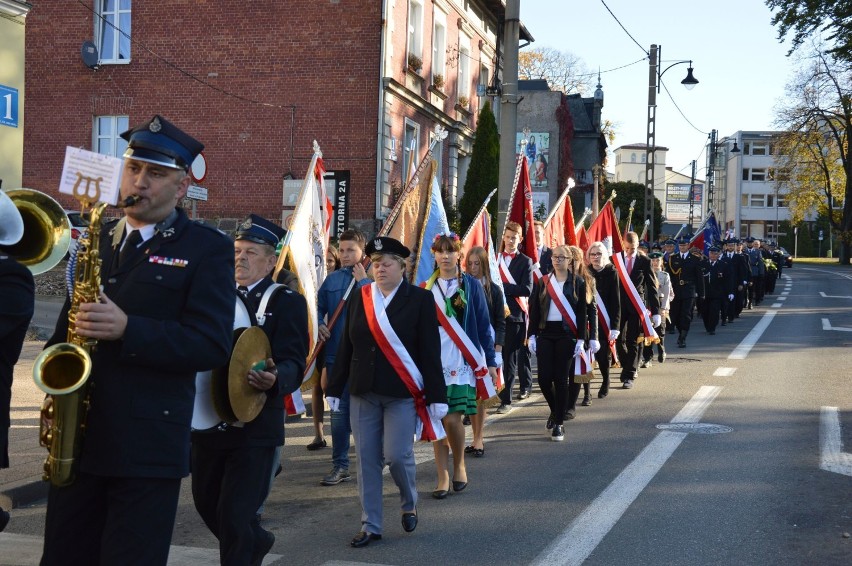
(516, 274)
(608, 301)
(688, 284)
(16, 309)
(331, 292)
(467, 353)
(166, 312)
(559, 333)
(231, 465)
(719, 287)
(390, 357)
(476, 265)
(740, 273)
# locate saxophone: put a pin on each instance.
(62, 370)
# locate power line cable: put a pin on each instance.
(625, 29)
(681, 111)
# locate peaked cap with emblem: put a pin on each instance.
(714, 248)
(386, 245)
(261, 231)
(160, 142)
(684, 239)
(655, 255)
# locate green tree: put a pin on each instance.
(801, 18)
(482, 172)
(815, 163)
(626, 192)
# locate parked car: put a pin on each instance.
(785, 255)
(78, 223)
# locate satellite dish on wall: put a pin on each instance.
(89, 53)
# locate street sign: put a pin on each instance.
(196, 193)
(820, 235)
(8, 106)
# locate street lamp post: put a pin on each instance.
(654, 79)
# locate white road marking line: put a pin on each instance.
(828, 271)
(25, 550)
(826, 325)
(824, 296)
(785, 293)
(724, 372)
(776, 305)
(832, 457)
(741, 351)
(781, 299)
(585, 532)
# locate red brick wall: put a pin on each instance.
(313, 65)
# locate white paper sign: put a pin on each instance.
(92, 176)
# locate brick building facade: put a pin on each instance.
(257, 82)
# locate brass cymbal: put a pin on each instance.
(252, 347)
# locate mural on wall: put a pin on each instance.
(537, 153)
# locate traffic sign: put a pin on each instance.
(820, 235)
(196, 193)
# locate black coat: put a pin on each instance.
(574, 289)
(545, 260)
(361, 363)
(521, 269)
(719, 280)
(497, 313)
(180, 321)
(609, 289)
(739, 267)
(687, 276)
(16, 309)
(646, 285)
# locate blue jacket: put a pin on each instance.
(477, 320)
(328, 297)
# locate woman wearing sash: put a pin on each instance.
(608, 300)
(467, 353)
(476, 264)
(559, 332)
(390, 356)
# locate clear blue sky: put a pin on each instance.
(741, 68)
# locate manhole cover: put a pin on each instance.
(681, 360)
(697, 428)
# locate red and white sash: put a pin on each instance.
(635, 299)
(506, 277)
(428, 429)
(582, 363)
(474, 356)
(606, 322)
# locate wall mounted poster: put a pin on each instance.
(537, 153)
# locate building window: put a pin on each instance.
(464, 66)
(754, 174)
(410, 151)
(439, 45)
(759, 148)
(415, 28)
(744, 199)
(758, 201)
(644, 157)
(107, 131)
(112, 28)
(483, 80)
(632, 158)
(782, 201)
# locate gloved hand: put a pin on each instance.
(594, 345)
(731, 297)
(578, 348)
(614, 334)
(333, 403)
(498, 358)
(437, 410)
(655, 320)
(531, 344)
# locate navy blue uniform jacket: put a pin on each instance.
(179, 322)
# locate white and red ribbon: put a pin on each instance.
(635, 299)
(582, 363)
(428, 429)
(506, 277)
(606, 323)
(474, 356)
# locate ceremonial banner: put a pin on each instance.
(559, 226)
(434, 225)
(707, 235)
(408, 225)
(479, 234)
(521, 211)
(583, 238)
(605, 229)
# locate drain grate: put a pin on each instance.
(681, 360)
(697, 428)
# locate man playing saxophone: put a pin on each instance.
(165, 312)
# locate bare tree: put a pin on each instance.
(564, 71)
(817, 167)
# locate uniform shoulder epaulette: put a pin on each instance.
(202, 224)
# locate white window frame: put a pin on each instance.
(757, 200)
(439, 44)
(111, 54)
(111, 136)
(415, 29)
(759, 148)
(414, 127)
(464, 78)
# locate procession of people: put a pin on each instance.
(400, 360)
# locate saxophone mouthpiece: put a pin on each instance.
(129, 201)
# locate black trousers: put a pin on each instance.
(756, 291)
(554, 352)
(228, 486)
(516, 360)
(681, 312)
(627, 344)
(712, 310)
(741, 298)
(648, 351)
(603, 357)
(109, 521)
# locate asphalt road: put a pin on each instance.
(619, 490)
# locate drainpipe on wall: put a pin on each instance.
(380, 141)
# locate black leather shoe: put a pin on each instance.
(459, 485)
(363, 539)
(603, 393)
(262, 547)
(524, 395)
(409, 522)
(4, 519)
(440, 493)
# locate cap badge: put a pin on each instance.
(246, 225)
(377, 243)
(155, 125)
